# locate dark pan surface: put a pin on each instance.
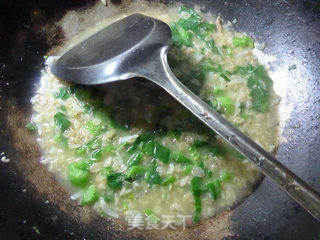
(291, 30)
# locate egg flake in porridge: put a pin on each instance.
(132, 147)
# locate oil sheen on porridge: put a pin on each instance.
(130, 146)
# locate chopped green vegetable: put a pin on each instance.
(134, 159)
(62, 108)
(244, 70)
(108, 198)
(63, 94)
(260, 85)
(63, 140)
(148, 147)
(217, 185)
(31, 127)
(125, 206)
(210, 187)
(106, 171)
(211, 45)
(188, 169)
(96, 154)
(90, 196)
(180, 37)
(182, 159)
(148, 212)
(95, 130)
(196, 191)
(225, 75)
(225, 176)
(93, 144)
(80, 151)
(244, 41)
(168, 180)
(242, 111)
(189, 13)
(61, 121)
(199, 143)
(195, 153)
(152, 176)
(78, 174)
(109, 149)
(224, 104)
(135, 170)
(115, 180)
(162, 153)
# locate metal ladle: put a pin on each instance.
(137, 46)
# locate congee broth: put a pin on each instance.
(129, 146)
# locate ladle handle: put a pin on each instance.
(293, 185)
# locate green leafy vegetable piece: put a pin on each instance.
(152, 176)
(244, 70)
(260, 99)
(244, 41)
(31, 127)
(182, 159)
(196, 191)
(80, 151)
(145, 137)
(148, 147)
(61, 121)
(115, 180)
(260, 84)
(90, 196)
(210, 187)
(148, 212)
(78, 174)
(108, 198)
(63, 94)
(199, 143)
(109, 149)
(62, 108)
(188, 169)
(134, 159)
(217, 185)
(96, 154)
(225, 176)
(106, 171)
(180, 37)
(211, 45)
(162, 153)
(168, 180)
(195, 153)
(188, 25)
(224, 104)
(225, 75)
(95, 130)
(136, 170)
(63, 140)
(209, 27)
(93, 144)
(242, 111)
(189, 13)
